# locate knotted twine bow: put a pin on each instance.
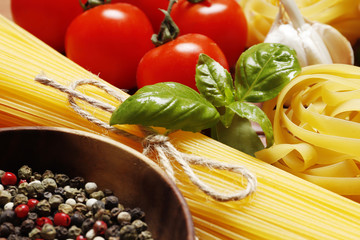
(154, 142)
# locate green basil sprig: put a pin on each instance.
(223, 104)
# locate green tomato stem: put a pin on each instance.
(168, 29)
(92, 3)
(195, 1)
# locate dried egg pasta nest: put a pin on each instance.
(317, 127)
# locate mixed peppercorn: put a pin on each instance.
(55, 206)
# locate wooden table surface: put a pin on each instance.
(5, 8)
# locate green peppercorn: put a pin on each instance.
(74, 231)
(48, 174)
(145, 235)
(65, 208)
(55, 200)
(49, 184)
(5, 197)
(62, 179)
(70, 192)
(43, 208)
(35, 233)
(139, 225)
(24, 172)
(97, 195)
(81, 208)
(20, 199)
(128, 232)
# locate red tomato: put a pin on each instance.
(176, 60)
(151, 9)
(46, 19)
(221, 20)
(110, 40)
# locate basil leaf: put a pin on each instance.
(170, 105)
(214, 82)
(255, 114)
(263, 70)
(240, 135)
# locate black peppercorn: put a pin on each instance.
(87, 224)
(32, 216)
(77, 182)
(136, 213)
(61, 232)
(6, 229)
(111, 202)
(107, 192)
(97, 206)
(8, 216)
(26, 226)
(77, 219)
(59, 191)
(113, 231)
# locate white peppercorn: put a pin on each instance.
(90, 234)
(90, 187)
(90, 202)
(9, 206)
(71, 202)
(123, 217)
(98, 238)
(1, 187)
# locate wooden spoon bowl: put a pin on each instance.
(135, 179)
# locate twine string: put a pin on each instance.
(153, 142)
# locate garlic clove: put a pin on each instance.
(315, 49)
(338, 46)
(314, 43)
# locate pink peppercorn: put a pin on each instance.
(32, 203)
(22, 210)
(42, 220)
(80, 237)
(8, 179)
(100, 227)
(62, 219)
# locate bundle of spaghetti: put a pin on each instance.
(317, 128)
(283, 207)
(344, 15)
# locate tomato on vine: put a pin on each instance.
(221, 20)
(175, 58)
(110, 40)
(151, 8)
(46, 19)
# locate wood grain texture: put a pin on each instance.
(135, 179)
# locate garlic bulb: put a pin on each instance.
(314, 42)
